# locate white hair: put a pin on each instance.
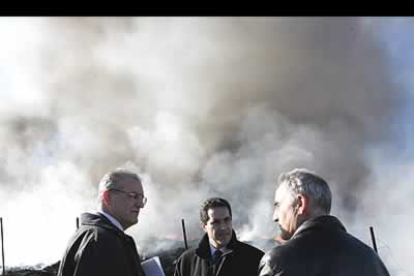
(115, 179)
(305, 182)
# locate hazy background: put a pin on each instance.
(204, 107)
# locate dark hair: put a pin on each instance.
(212, 203)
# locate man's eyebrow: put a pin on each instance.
(219, 219)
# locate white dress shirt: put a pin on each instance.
(112, 220)
(213, 249)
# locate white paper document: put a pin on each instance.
(152, 267)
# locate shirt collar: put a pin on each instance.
(112, 220)
(213, 249)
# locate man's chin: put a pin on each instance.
(224, 243)
(133, 221)
(284, 235)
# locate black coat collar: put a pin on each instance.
(203, 249)
(326, 223)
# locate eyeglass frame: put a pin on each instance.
(132, 195)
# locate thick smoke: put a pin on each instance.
(200, 107)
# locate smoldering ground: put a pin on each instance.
(199, 107)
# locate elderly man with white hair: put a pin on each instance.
(316, 243)
(100, 247)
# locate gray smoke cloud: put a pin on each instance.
(199, 107)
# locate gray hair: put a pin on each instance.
(307, 183)
(114, 179)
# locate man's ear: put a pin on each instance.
(203, 226)
(302, 207)
(106, 197)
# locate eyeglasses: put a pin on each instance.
(133, 195)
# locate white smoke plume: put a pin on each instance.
(200, 107)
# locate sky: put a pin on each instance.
(203, 107)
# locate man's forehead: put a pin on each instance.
(218, 212)
(281, 193)
(132, 185)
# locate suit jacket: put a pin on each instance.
(322, 247)
(99, 248)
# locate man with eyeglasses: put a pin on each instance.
(100, 246)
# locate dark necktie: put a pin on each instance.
(217, 255)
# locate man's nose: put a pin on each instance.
(275, 216)
(223, 226)
(139, 204)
